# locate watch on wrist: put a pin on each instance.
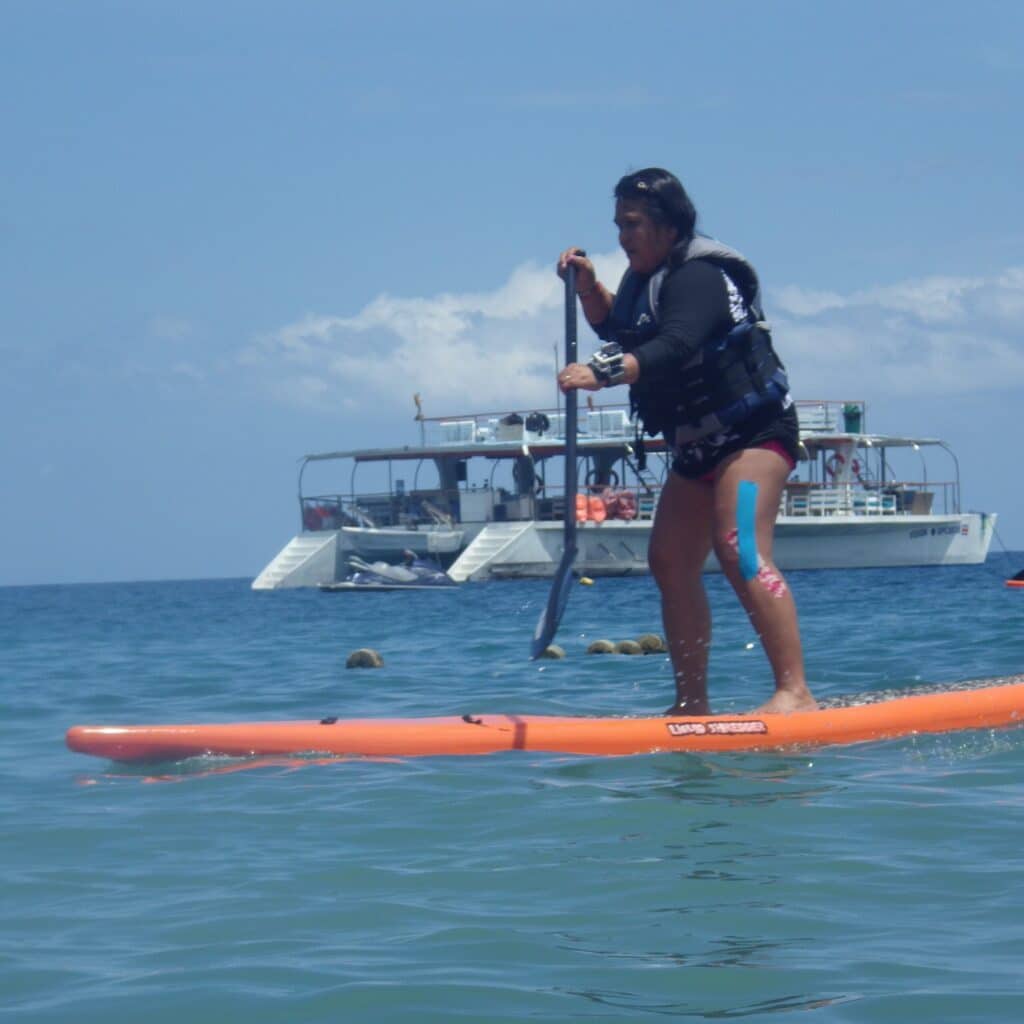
(608, 364)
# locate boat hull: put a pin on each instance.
(616, 548)
(619, 548)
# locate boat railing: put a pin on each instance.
(372, 511)
(896, 498)
(843, 416)
(631, 500)
(845, 471)
(608, 421)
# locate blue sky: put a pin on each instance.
(234, 233)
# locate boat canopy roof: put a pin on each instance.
(542, 448)
(536, 448)
(819, 440)
(540, 434)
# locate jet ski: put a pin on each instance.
(412, 574)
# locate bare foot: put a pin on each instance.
(785, 702)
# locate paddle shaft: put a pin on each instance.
(547, 625)
(569, 534)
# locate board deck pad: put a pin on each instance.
(988, 703)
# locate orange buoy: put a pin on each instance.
(597, 512)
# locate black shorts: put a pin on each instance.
(770, 428)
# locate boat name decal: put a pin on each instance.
(744, 727)
(937, 531)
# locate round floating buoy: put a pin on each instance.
(651, 643)
(365, 657)
(628, 647)
(601, 647)
(552, 651)
(586, 581)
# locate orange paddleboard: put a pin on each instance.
(991, 703)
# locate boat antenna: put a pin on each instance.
(419, 418)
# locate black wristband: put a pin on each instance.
(608, 364)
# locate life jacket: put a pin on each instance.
(727, 379)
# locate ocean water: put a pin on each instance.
(873, 883)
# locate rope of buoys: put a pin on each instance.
(628, 647)
(652, 643)
(646, 643)
(364, 657)
(552, 651)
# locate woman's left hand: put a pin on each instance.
(578, 376)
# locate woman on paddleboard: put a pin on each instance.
(685, 331)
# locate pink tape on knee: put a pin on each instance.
(770, 579)
(767, 576)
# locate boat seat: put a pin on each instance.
(798, 505)
(828, 503)
(867, 504)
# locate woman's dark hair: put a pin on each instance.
(664, 196)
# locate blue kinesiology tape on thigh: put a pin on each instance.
(746, 512)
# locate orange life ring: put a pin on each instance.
(835, 464)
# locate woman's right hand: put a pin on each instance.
(586, 276)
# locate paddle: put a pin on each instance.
(547, 625)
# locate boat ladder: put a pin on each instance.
(307, 559)
(485, 547)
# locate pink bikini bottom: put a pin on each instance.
(771, 446)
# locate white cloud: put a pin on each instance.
(170, 328)
(496, 350)
(804, 302)
(937, 335)
(485, 350)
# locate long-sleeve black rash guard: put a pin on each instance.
(693, 308)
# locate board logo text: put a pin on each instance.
(716, 728)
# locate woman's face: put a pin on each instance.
(646, 242)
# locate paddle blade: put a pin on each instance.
(547, 624)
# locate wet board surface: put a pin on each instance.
(982, 704)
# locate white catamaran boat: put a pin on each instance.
(495, 504)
